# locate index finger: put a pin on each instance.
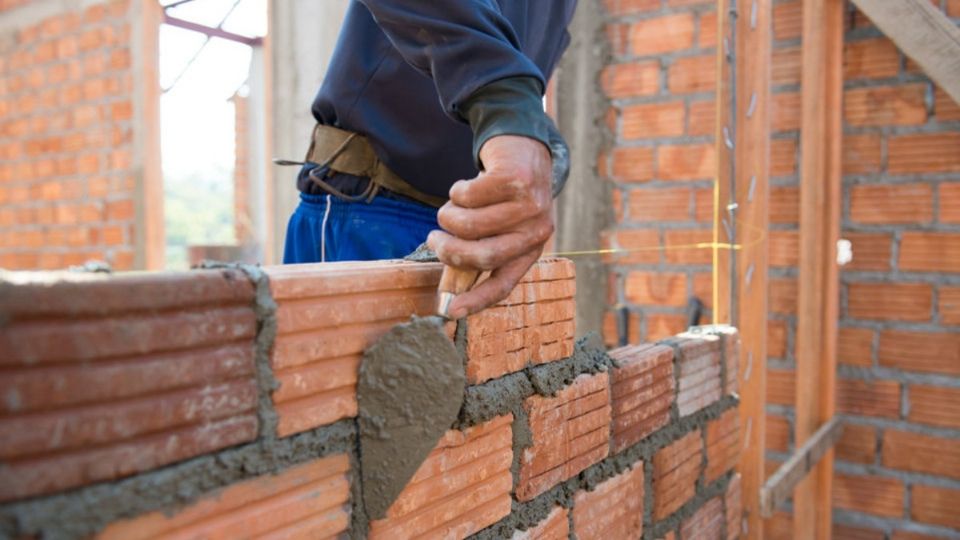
(495, 288)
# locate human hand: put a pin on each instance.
(499, 221)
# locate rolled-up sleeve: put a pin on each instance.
(462, 45)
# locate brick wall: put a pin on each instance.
(68, 168)
(660, 83)
(899, 369)
(221, 403)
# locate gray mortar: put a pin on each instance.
(83, 512)
(423, 253)
(410, 389)
(588, 357)
(265, 309)
(494, 398)
(522, 439)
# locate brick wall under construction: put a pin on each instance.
(898, 463)
(68, 169)
(222, 403)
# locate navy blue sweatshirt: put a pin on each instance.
(413, 75)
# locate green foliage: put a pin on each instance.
(197, 210)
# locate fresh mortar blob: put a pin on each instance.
(410, 389)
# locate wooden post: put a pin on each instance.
(150, 241)
(820, 139)
(744, 281)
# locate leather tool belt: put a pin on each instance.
(336, 150)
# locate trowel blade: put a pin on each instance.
(410, 389)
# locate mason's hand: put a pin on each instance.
(498, 221)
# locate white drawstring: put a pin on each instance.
(323, 232)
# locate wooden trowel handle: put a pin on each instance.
(453, 282)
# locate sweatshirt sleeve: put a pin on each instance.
(462, 45)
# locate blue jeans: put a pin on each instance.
(327, 229)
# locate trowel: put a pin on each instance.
(409, 392)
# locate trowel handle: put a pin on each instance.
(453, 282)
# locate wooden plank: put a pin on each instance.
(752, 50)
(149, 249)
(722, 286)
(779, 486)
(817, 307)
(922, 32)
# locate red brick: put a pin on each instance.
(662, 34)
(556, 526)
(653, 120)
(777, 431)
(708, 30)
(656, 288)
(688, 246)
(785, 66)
(781, 387)
(676, 468)
(641, 392)
(787, 21)
(844, 532)
(632, 164)
(783, 162)
(639, 245)
(882, 204)
(614, 509)
(931, 352)
(702, 118)
(462, 487)
(950, 202)
(855, 346)
(706, 523)
(723, 444)
(930, 252)
(619, 36)
(733, 505)
(659, 205)
(783, 296)
(868, 494)
(858, 444)
(784, 205)
(890, 301)
(309, 500)
(625, 7)
(663, 325)
(935, 405)
(686, 162)
(871, 251)
(915, 452)
(698, 358)
(776, 338)
(692, 74)
(785, 112)
(878, 398)
(950, 305)
(784, 248)
(631, 80)
(924, 153)
(570, 432)
(861, 154)
(874, 58)
(935, 505)
(946, 108)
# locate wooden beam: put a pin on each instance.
(150, 240)
(723, 191)
(922, 32)
(749, 129)
(817, 306)
(779, 486)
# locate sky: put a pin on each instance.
(197, 131)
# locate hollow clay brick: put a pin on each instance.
(706, 523)
(305, 501)
(698, 365)
(641, 392)
(112, 375)
(462, 487)
(556, 526)
(570, 432)
(676, 468)
(614, 509)
(723, 444)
